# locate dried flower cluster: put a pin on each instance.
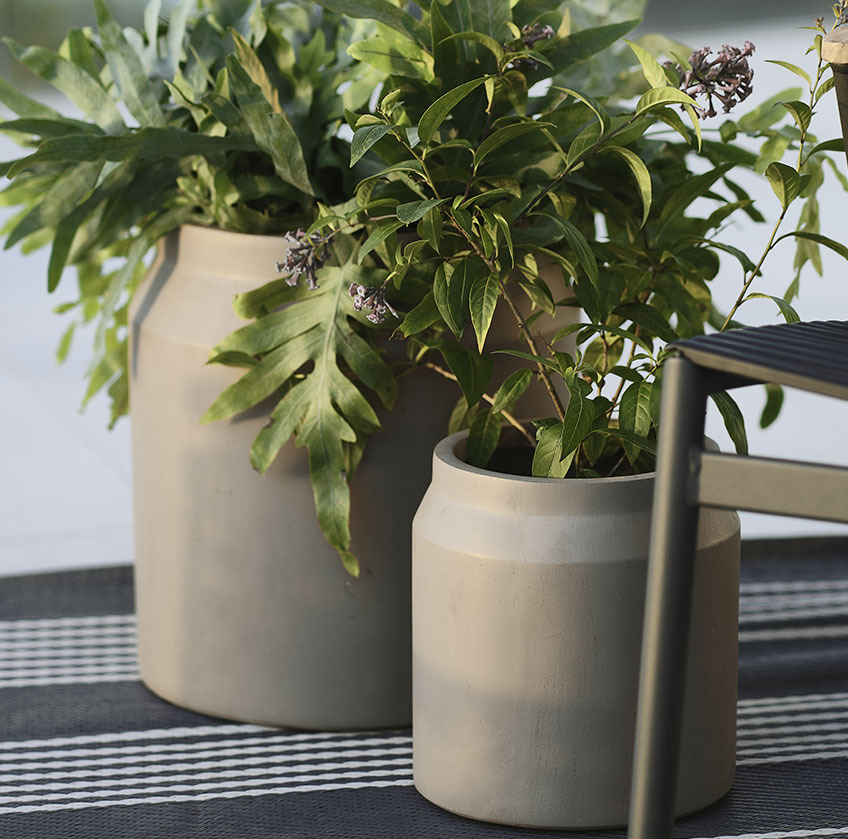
(529, 35)
(373, 298)
(303, 257)
(840, 12)
(728, 77)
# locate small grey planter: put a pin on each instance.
(528, 596)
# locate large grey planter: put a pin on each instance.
(528, 596)
(244, 610)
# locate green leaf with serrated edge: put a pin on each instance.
(785, 183)
(482, 301)
(325, 407)
(505, 135)
(514, 387)
(801, 113)
(789, 314)
(137, 91)
(794, 69)
(84, 91)
(734, 422)
(640, 173)
(593, 104)
(272, 131)
(651, 68)
(774, 402)
(436, 113)
(364, 138)
(649, 318)
(400, 57)
(577, 242)
(472, 370)
(547, 458)
(383, 11)
(483, 436)
(579, 417)
(413, 211)
(377, 237)
(659, 96)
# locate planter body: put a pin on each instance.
(528, 597)
(244, 610)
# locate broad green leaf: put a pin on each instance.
(734, 422)
(506, 135)
(794, 69)
(451, 290)
(548, 461)
(640, 173)
(651, 68)
(838, 247)
(385, 12)
(84, 91)
(769, 112)
(785, 183)
(774, 402)
(659, 96)
(137, 91)
(414, 211)
(364, 138)
(634, 415)
(837, 145)
(514, 387)
(823, 88)
(377, 237)
(583, 44)
(579, 417)
(789, 314)
(577, 242)
(425, 314)
(483, 436)
(399, 57)
(271, 130)
(489, 17)
(629, 437)
(593, 104)
(481, 303)
(649, 318)
(472, 370)
(436, 113)
(801, 113)
(489, 43)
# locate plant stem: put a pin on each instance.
(505, 414)
(522, 323)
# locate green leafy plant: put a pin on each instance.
(225, 115)
(489, 170)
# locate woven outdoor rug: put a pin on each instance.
(88, 753)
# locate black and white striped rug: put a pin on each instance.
(86, 752)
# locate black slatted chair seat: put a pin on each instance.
(809, 356)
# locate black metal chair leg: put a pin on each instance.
(668, 606)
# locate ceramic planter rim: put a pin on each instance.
(446, 453)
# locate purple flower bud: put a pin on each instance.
(373, 298)
(303, 257)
